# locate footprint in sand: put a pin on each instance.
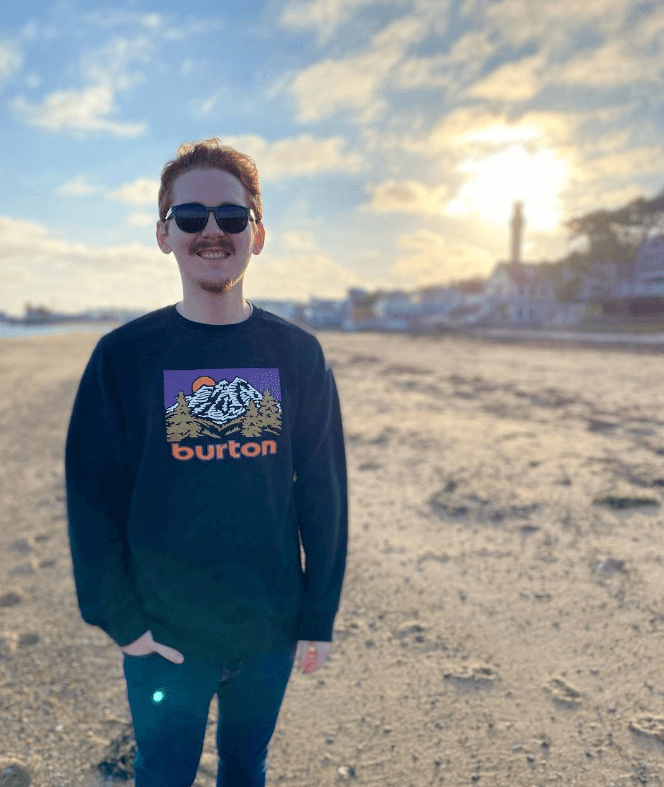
(649, 725)
(14, 775)
(401, 369)
(476, 673)
(11, 599)
(562, 691)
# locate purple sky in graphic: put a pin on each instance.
(182, 380)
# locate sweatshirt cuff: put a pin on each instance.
(314, 629)
(128, 628)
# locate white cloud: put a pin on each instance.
(354, 82)
(298, 277)
(33, 79)
(614, 64)
(10, 61)
(76, 111)
(152, 21)
(434, 260)
(141, 191)
(518, 81)
(32, 30)
(452, 70)
(112, 65)
(190, 29)
(421, 72)
(330, 85)
(409, 196)
(166, 27)
(627, 164)
(36, 265)
(551, 23)
(650, 30)
(222, 93)
(299, 241)
(77, 187)
(109, 69)
(141, 219)
(326, 16)
(22, 240)
(293, 156)
(479, 130)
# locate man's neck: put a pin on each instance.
(221, 312)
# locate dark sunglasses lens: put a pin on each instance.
(231, 218)
(190, 218)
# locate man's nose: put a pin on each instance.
(211, 227)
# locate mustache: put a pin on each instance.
(196, 248)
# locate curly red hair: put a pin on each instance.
(211, 154)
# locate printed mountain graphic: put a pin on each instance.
(223, 409)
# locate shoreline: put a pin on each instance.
(17, 330)
(612, 338)
(630, 342)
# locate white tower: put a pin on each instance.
(516, 223)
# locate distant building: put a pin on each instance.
(639, 289)
(397, 309)
(285, 309)
(358, 311)
(470, 306)
(435, 304)
(321, 313)
(598, 283)
(650, 260)
(438, 300)
(520, 293)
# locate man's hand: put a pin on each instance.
(145, 645)
(312, 661)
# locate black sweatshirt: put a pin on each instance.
(195, 455)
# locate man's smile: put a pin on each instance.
(213, 255)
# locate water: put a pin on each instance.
(8, 331)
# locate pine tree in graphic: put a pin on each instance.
(251, 423)
(270, 415)
(181, 422)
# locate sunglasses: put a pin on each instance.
(192, 217)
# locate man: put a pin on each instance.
(205, 441)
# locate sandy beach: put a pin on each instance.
(502, 618)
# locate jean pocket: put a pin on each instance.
(231, 669)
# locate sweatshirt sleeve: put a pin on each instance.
(321, 499)
(99, 484)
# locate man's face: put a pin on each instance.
(210, 187)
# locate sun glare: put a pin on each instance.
(514, 174)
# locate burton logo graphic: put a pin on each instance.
(244, 403)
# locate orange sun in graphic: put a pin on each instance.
(201, 381)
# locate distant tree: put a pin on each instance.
(616, 235)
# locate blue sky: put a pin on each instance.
(391, 137)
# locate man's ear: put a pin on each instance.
(162, 238)
(259, 238)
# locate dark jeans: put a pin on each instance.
(170, 703)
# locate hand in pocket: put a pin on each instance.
(145, 645)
